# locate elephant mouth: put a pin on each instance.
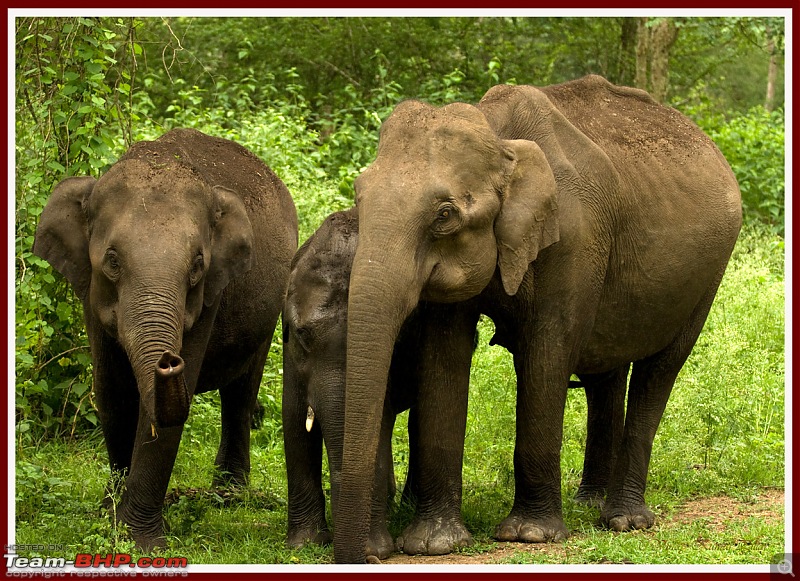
(170, 396)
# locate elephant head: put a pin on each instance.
(445, 205)
(147, 247)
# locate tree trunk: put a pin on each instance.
(662, 37)
(654, 39)
(627, 54)
(772, 73)
(642, 53)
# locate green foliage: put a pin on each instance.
(74, 113)
(753, 144)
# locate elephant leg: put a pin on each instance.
(542, 380)
(306, 500)
(303, 448)
(143, 495)
(605, 398)
(650, 386)
(117, 400)
(238, 402)
(445, 355)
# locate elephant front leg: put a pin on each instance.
(536, 515)
(117, 400)
(439, 422)
(306, 522)
(142, 500)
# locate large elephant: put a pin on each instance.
(180, 253)
(314, 361)
(592, 224)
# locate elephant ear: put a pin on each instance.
(231, 244)
(62, 235)
(528, 219)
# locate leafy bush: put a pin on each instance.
(753, 144)
(74, 110)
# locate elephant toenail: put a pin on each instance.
(640, 522)
(505, 533)
(532, 534)
(618, 523)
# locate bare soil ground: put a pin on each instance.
(718, 512)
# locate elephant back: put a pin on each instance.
(626, 119)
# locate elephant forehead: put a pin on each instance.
(168, 184)
(446, 159)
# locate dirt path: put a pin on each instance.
(718, 511)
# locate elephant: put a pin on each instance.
(314, 359)
(180, 254)
(592, 224)
(314, 341)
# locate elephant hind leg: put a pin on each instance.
(238, 400)
(605, 398)
(651, 383)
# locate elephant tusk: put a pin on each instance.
(309, 419)
(153, 430)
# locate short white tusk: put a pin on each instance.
(309, 419)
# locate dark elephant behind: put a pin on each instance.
(180, 254)
(592, 224)
(314, 357)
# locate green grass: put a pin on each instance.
(722, 435)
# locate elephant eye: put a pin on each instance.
(305, 338)
(447, 221)
(111, 266)
(197, 270)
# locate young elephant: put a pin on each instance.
(314, 356)
(180, 254)
(314, 335)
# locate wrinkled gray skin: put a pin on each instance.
(180, 254)
(314, 357)
(592, 224)
(314, 351)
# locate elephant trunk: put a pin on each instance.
(384, 290)
(169, 391)
(151, 332)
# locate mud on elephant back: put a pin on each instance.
(180, 254)
(592, 224)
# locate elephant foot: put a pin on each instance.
(147, 542)
(623, 519)
(380, 543)
(298, 537)
(147, 533)
(436, 536)
(232, 478)
(531, 530)
(592, 497)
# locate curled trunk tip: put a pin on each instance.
(170, 396)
